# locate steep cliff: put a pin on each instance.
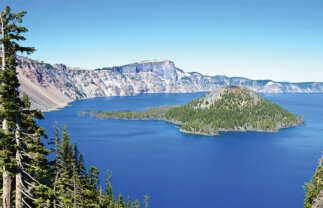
(51, 86)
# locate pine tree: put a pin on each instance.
(83, 180)
(110, 196)
(137, 204)
(70, 183)
(77, 186)
(129, 203)
(64, 190)
(120, 202)
(29, 166)
(93, 181)
(33, 169)
(314, 187)
(101, 198)
(76, 155)
(66, 152)
(56, 163)
(146, 201)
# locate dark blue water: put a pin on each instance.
(233, 170)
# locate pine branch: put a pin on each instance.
(31, 177)
(30, 197)
(59, 205)
(32, 185)
(32, 136)
(26, 203)
(28, 155)
(30, 166)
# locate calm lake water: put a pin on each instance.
(233, 170)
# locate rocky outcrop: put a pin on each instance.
(318, 202)
(52, 86)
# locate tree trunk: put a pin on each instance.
(74, 187)
(6, 195)
(56, 168)
(54, 189)
(19, 202)
(2, 45)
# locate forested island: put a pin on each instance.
(229, 108)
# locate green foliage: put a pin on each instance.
(146, 201)
(23, 137)
(34, 162)
(9, 94)
(154, 113)
(137, 204)
(313, 188)
(236, 108)
(129, 204)
(120, 202)
(74, 185)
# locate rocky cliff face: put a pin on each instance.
(52, 86)
(318, 201)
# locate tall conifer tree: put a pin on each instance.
(23, 156)
(11, 104)
(21, 136)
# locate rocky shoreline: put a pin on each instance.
(242, 130)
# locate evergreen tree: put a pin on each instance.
(129, 203)
(33, 169)
(29, 166)
(66, 153)
(76, 155)
(83, 177)
(120, 202)
(146, 201)
(314, 187)
(110, 196)
(64, 190)
(101, 198)
(93, 181)
(55, 163)
(77, 187)
(137, 204)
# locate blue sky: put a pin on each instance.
(258, 39)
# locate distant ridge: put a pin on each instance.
(51, 86)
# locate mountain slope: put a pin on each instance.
(229, 108)
(55, 85)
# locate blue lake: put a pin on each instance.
(233, 170)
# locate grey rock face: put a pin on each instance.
(164, 69)
(318, 202)
(55, 85)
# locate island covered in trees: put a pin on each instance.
(229, 108)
